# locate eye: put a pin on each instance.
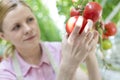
(30, 19)
(16, 27)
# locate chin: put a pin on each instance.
(32, 45)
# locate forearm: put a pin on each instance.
(66, 72)
(92, 66)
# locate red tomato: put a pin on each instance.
(110, 29)
(74, 12)
(93, 11)
(1, 58)
(71, 24)
(105, 36)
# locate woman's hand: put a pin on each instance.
(76, 47)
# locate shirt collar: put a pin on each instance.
(25, 67)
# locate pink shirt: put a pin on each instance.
(43, 71)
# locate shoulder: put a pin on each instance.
(6, 69)
(53, 46)
(54, 49)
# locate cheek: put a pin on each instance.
(9, 37)
(16, 37)
(12, 40)
(38, 32)
(37, 28)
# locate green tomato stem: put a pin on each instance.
(101, 49)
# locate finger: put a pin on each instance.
(94, 41)
(92, 45)
(65, 37)
(81, 55)
(87, 27)
(89, 37)
(95, 37)
(83, 43)
(86, 37)
(76, 29)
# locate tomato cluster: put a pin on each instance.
(110, 29)
(92, 11)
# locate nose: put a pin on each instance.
(27, 29)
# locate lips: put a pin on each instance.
(30, 38)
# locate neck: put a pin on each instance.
(31, 55)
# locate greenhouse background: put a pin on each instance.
(52, 15)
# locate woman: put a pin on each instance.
(31, 59)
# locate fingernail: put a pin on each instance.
(88, 25)
(79, 21)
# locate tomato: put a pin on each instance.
(0, 58)
(105, 36)
(71, 24)
(74, 1)
(110, 29)
(74, 12)
(106, 44)
(92, 11)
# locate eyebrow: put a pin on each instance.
(19, 22)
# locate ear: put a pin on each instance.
(2, 36)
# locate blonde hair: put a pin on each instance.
(5, 7)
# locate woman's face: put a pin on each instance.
(20, 27)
